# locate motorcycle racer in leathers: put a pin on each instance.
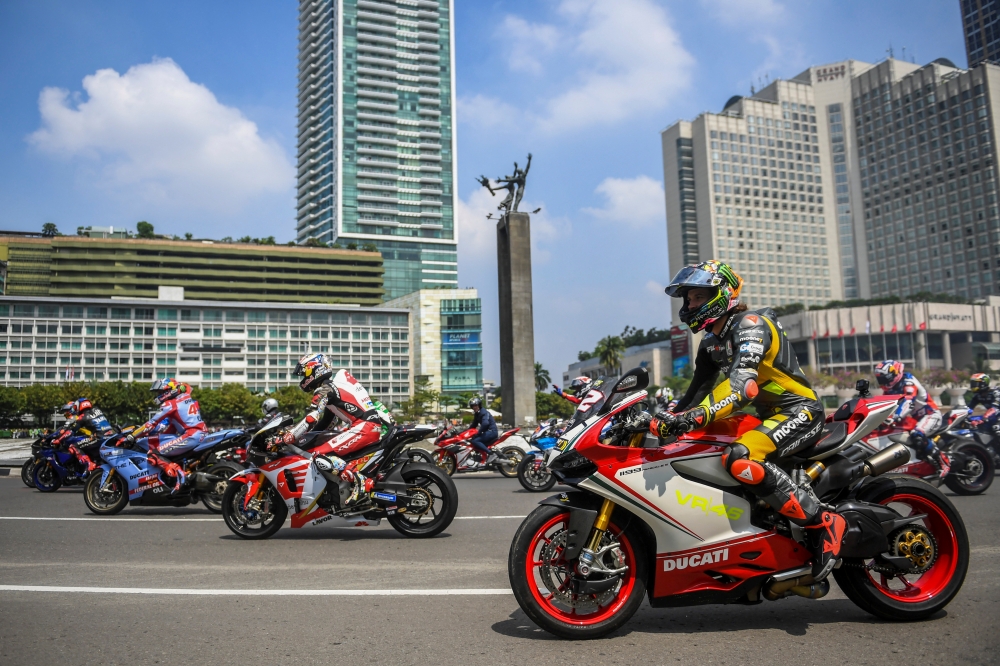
(915, 403)
(576, 390)
(339, 396)
(759, 368)
(82, 419)
(184, 429)
(989, 398)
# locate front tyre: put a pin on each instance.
(940, 564)
(28, 472)
(264, 515)
(432, 505)
(976, 474)
(533, 475)
(543, 582)
(47, 479)
(106, 501)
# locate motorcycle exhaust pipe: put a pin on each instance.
(803, 586)
(886, 460)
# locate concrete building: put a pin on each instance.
(376, 145)
(751, 186)
(922, 335)
(655, 357)
(981, 25)
(446, 336)
(49, 340)
(81, 267)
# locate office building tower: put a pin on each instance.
(376, 153)
(927, 170)
(751, 186)
(981, 24)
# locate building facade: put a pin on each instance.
(751, 186)
(981, 24)
(376, 145)
(81, 267)
(921, 335)
(49, 340)
(655, 357)
(447, 337)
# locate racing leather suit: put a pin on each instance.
(760, 368)
(343, 397)
(91, 424)
(572, 398)
(990, 399)
(917, 404)
(184, 431)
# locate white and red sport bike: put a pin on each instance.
(418, 499)
(669, 522)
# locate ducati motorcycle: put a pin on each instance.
(532, 473)
(417, 499)
(970, 464)
(670, 523)
(454, 452)
(127, 478)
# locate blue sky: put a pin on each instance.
(191, 123)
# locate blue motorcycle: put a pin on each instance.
(533, 474)
(68, 464)
(128, 478)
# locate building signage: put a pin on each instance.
(678, 342)
(460, 338)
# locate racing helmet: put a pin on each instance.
(725, 286)
(69, 409)
(888, 373)
(314, 370)
(167, 388)
(979, 382)
(475, 402)
(580, 386)
(269, 406)
(80, 405)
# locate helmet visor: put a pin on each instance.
(691, 277)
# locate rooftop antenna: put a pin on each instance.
(752, 91)
(904, 54)
(889, 51)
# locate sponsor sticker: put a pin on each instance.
(388, 497)
(696, 560)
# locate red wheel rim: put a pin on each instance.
(546, 599)
(933, 581)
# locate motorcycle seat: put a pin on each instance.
(833, 436)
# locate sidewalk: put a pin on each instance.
(13, 452)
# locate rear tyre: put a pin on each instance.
(533, 475)
(434, 506)
(259, 522)
(108, 501)
(446, 461)
(912, 597)
(509, 467)
(540, 578)
(212, 499)
(47, 479)
(976, 474)
(28, 473)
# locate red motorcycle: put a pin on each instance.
(454, 452)
(969, 465)
(670, 523)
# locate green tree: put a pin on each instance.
(293, 401)
(124, 403)
(11, 405)
(231, 404)
(245, 239)
(548, 405)
(312, 241)
(584, 356)
(370, 247)
(50, 229)
(188, 236)
(679, 383)
(609, 350)
(40, 400)
(447, 400)
(423, 398)
(144, 229)
(542, 378)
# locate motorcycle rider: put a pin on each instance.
(759, 368)
(486, 430)
(917, 404)
(339, 396)
(665, 399)
(83, 420)
(577, 389)
(989, 398)
(184, 429)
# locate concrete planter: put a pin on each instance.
(845, 394)
(957, 397)
(935, 393)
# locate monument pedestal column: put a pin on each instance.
(517, 332)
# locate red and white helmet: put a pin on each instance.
(888, 373)
(580, 386)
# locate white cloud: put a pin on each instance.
(741, 12)
(477, 234)
(155, 135)
(525, 42)
(609, 60)
(634, 202)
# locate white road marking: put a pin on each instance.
(485, 517)
(258, 593)
(196, 520)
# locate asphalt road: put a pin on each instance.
(192, 549)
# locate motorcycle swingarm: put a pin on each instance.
(583, 508)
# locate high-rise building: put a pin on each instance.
(981, 24)
(927, 170)
(751, 186)
(376, 143)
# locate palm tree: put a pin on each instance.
(542, 378)
(609, 351)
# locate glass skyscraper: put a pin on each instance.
(376, 144)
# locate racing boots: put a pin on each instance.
(826, 536)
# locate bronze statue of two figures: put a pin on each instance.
(514, 184)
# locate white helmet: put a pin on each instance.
(664, 394)
(270, 406)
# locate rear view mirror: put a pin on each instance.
(633, 380)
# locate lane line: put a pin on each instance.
(258, 593)
(195, 520)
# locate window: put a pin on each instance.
(121, 313)
(212, 332)
(166, 331)
(140, 313)
(234, 315)
(166, 315)
(97, 330)
(190, 315)
(212, 315)
(97, 313)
